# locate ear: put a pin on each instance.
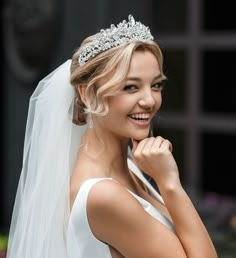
(81, 90)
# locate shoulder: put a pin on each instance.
(107, 194)
(117, 218)
(111, 203)
(111, 208)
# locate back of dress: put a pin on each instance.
(81, 243)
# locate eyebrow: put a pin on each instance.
(159, 76)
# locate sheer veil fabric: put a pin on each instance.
(41, 210)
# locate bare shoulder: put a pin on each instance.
(118, 219)
(111, 204)
(108, 195)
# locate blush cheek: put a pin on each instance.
(158, 103)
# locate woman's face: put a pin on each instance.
(132, 109)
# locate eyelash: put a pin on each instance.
(160, 85)
(132, 87)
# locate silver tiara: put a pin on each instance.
(114, 36)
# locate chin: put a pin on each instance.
(141, 137)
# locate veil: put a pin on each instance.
(41, 209)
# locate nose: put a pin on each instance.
(147, 99)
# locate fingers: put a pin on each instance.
(142, 146)
(151, 145)
(161, 143)
(167, 145)
(153, 156)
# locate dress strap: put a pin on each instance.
(140, 175)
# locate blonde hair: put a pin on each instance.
(111, 65)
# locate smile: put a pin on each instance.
(143, 116)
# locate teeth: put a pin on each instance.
(140, 116)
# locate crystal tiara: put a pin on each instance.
(114, 36)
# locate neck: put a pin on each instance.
(106, 149)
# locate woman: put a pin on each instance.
(79, 194)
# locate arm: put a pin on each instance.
(154, 157)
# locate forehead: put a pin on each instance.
(144, 63)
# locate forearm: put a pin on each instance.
(189, 227)
(154, 157)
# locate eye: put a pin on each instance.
(158, 85)
(130, 88)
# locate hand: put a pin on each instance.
(154, 157)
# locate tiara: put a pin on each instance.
(114, 36)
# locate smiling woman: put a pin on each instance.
(140, 96)
(79, 195)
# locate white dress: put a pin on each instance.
(81, 243)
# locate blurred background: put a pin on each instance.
(198, 39)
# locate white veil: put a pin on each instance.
(41, 210)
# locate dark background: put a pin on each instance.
(198, 39)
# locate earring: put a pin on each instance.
(90, 121)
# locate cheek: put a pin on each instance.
(120, 104)
(115, 109)
(158, 102)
